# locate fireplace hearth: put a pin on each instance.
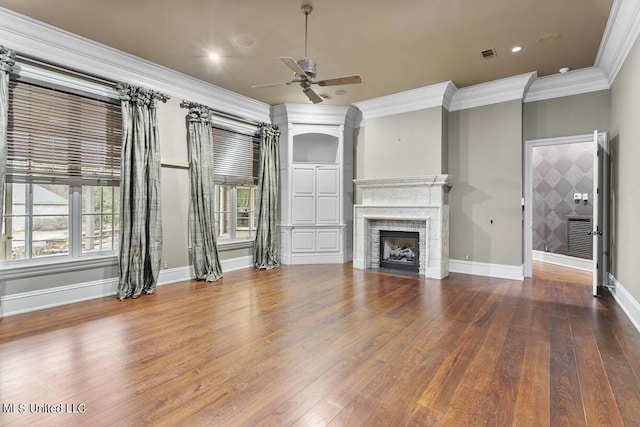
(400, 250)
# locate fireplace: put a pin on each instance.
(406, 204)
(400, 250)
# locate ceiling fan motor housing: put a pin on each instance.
(308, 66)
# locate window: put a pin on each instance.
(63, 174)
(236, 157)
(236, 213)
(100, 218)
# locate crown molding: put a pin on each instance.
(39, 40)
(502, 90)
(411, 100)
(571, 83)
(619, 36)
(313, 114)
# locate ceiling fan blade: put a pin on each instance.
(271, 85)
(346, 80)
(291, 63)
(313, 97)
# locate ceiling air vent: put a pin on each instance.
(488, 53)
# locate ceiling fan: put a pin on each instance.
(305, 70)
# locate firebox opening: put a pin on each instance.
(400, 250)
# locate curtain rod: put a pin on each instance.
(80, 74)
(189, 104)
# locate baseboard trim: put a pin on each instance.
(316, 258)
(501, 271)
(629, 305)
(25, 302)
(563, 260)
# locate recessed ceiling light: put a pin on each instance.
(516, 49)
(563, 70)
(214, 57)
(340, 92)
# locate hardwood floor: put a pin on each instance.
(548, 271)
(327, 345)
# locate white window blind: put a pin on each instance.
(236, 157)
(62, 138)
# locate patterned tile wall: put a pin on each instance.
(559, 171)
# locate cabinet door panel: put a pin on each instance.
(303, 210)
(303, 180)
(327, 181)
(328, 240)
(327, 212)
(303, 241)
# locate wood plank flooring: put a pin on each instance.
(327, 345)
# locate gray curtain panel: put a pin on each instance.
(266, 245)
(206, 263)
(141, 222)
(6, 66)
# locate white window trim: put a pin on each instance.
(55, 265)
(229, 245)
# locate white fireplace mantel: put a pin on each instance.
(410, 203)
(411, 181)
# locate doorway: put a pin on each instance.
(560, 201)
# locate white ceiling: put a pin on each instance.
(394, 45)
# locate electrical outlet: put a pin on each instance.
(466, 257)
(165, 265)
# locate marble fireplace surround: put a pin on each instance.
(404, 204)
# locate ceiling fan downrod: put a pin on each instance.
(306, 9)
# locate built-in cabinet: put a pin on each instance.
(315, 195)
(316, 165)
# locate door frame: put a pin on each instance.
(528, 189)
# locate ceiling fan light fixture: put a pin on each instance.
(308, 66)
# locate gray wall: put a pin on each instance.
(444, 168)
(625, 149)
(485, 157)
(175, 184)
(559, 171)
(566, 116)
(407, 144)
